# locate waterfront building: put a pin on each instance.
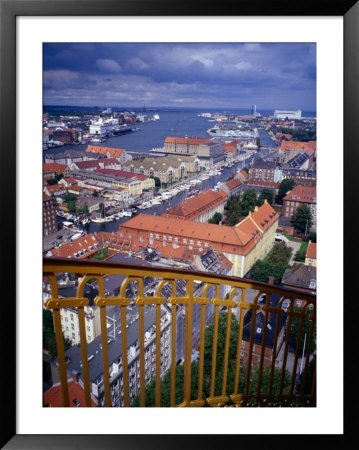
(49, 217)
(55, 190)
(287, 114)
(52, 169)
(169, 169)
(300, 195)
(242, 244)
(131, 181)
(199, 208)
(110, 152)
(186, 146)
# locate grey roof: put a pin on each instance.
(301, 276)
(261, 164)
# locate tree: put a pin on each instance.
(266, 194)
(294, 331)
(248, 201)
(48, 334)
(302, 218)
(261, 271)
(95, 194)
(285, 186)
(217, 217)
(279, 253)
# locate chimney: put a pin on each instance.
(271, 280)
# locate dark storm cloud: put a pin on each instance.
(236, 75)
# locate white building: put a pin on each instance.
(287, 114)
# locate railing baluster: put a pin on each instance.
(158, 355)
(297, 348)
(173, 355)
(264, 337)
(105, 363)
(226, 350)
(126, 384)
(141, 336)
(189, 313)
(201, 352)
(308, 352)
(214, 351)
(274, 352)
(239, 342)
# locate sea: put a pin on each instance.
(174, 122)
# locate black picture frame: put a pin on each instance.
(9, 10)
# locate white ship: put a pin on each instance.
(233, 133)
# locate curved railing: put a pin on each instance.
(211, 292)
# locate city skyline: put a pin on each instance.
(206, 75)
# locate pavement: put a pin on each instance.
(295, 246)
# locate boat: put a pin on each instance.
(85, 221)
(98, 220)
(223, 132)
(127, 213)
(156, 117)
(156, 201)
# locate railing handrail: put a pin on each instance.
(56, 265)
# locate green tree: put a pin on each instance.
(285, 186)
(302, 218)
(262, 270)
(233, 213)
(266, 194)
(294, 331)
(95, 194)
(48, 334)
(248, 201)
(217, 217)
(279, 253)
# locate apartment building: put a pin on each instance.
(49, 217)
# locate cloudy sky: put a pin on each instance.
(272, 76)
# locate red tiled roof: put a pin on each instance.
(123, 174)
(87, 164)
(53, 167)
(114, 152)
(196, 206)
(311, 250)
(308, 147)
(239, 239)
(190, 141)
(233, 183)
(304, 194)
(69, 249)
(245, 173)
(53, 397)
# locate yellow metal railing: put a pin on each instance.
(236, 288)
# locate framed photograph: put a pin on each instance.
(64, 54)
